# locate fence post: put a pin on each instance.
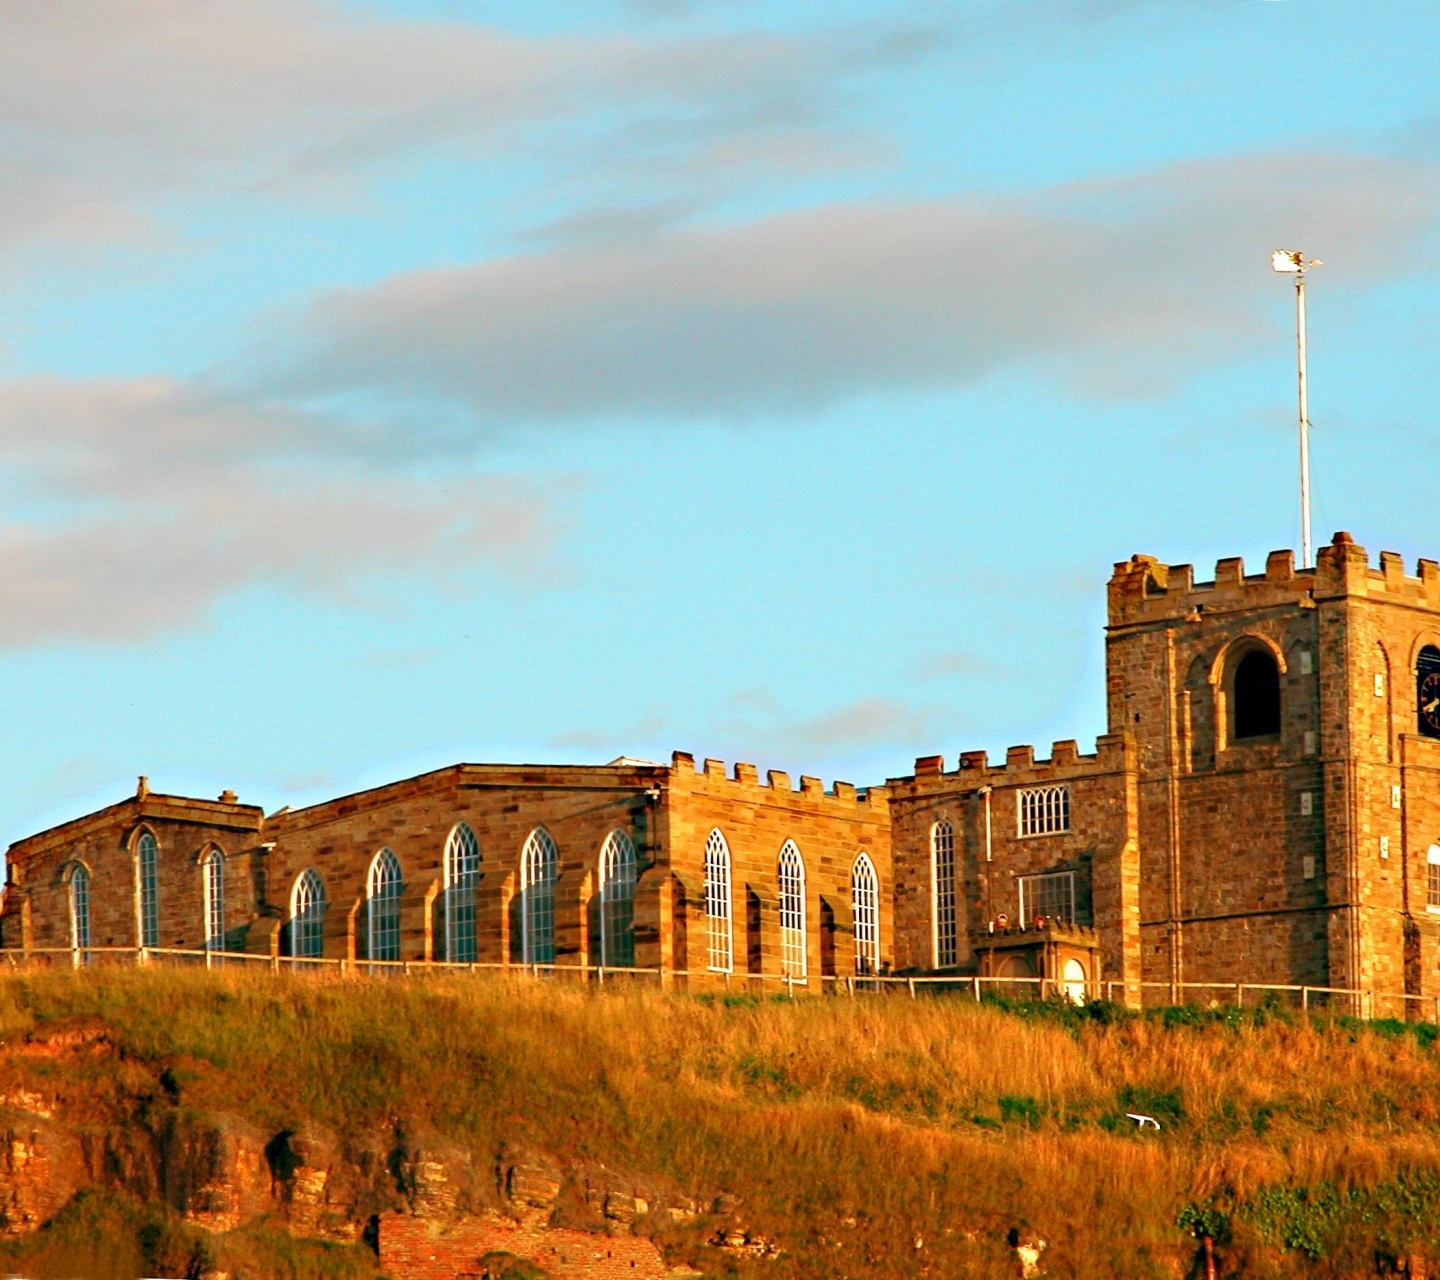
(977, 988)
(912, 988)
(850, 986)
(1240, 995)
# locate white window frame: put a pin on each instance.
(147, 884)
(462, 874)
(793, 960)
(307, 916)
(1432, 879)
(78, 892)
(719, 932)
(212, 876)
(618, 873)
(383, 887)
(1048, 878)
(865, 911)
(1042, 811)
(944, 917)
(539, 869)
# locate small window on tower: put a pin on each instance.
(1256, 693)
(1432, 878)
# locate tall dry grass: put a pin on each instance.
(935, 1120)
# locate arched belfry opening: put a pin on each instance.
(1255, 696)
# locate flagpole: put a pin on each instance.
(1293, 262)
(1305, 543)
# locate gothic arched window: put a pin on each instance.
(538, 871)
(79, 906)
(792, 912)
(212, 883)
(147, 877)
(865, 904)
(617, 900)
(462, 876)
(1256, 692)
(719, 954)
(942, 869)
(307, 915)
(383, 902)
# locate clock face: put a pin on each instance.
(1429, 698)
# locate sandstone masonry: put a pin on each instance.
(1265, 808)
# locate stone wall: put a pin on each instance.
(830, 829)
(37, 906)
(1098, 847)
(578, 806)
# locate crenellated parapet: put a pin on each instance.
(1143, 590)
(1114, 753)
(743, 784)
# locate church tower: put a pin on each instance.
(1289, 768)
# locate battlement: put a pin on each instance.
(746, 778)
(1114, 753)
(1142, 590)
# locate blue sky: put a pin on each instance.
(386, 385)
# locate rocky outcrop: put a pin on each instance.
(405, 1190)
(41, 1166)
(413, 1248)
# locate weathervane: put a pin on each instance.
(1294, 263)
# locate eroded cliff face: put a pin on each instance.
(77, 1115)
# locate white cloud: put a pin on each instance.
(141, 504)
(1118, 287)
(108, 108)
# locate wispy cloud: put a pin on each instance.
(109, 110)
(958, 662)
(136, 506)
(1115, 288)
(762, 722)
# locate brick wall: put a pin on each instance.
(412, 1249)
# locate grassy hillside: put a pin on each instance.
(866, 1137)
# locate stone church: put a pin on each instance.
(1265, 808)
